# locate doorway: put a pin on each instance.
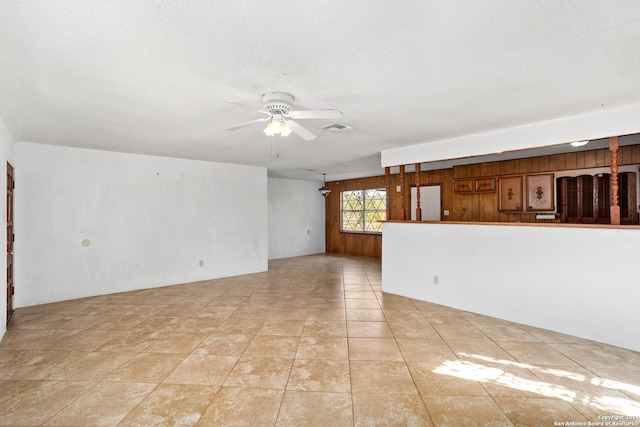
(10, 239)
(429, 202)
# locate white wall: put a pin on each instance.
(149, 220)
(6, 155)
(296, 218)
(579, 281)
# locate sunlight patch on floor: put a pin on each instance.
(483, 373)
(616, 385)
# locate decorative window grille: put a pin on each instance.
(362, 210)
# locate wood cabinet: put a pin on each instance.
(510, 189)
(540, 193)
(586, 199)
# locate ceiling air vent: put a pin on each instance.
(337, 127)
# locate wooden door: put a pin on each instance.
(10, 290)
(587, 199)
(627, 192)
(569, 199)
(602, 195)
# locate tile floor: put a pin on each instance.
(312, 342)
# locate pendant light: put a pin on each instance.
(324, 190)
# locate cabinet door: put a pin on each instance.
(628, 199)
(602, 194)
(568, 206)
(540, 193)
(511, 194)
(587, 199)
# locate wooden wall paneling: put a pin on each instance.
(635, 157)
(446, 193)
(627, 155)
(464, 171)
(359, 244)
(528, 165)
(401, 177)
(417, 175)
(515, 165)
(590, 159)
(557, 162)
(473, 205)
(486, 169)
(543, 164)
(621, 153)
(387, 187)
(466, 208)
(485, 213)
(580, 160)
(493, 202)
(428, 177)
(458, 207)
(600, 155)
(495, 168)
(607, 158)
(396, 197)
(571, 161)
(392, 196)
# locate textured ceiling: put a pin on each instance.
(149, 76)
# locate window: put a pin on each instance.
(363, 209)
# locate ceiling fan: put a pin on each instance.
(279, 110)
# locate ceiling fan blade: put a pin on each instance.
(245, 124)
(316, 114)
(247, 106)
(300, 131)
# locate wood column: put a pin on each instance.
(387, 186)
(615, 203)
(403, 212)
(418, 208)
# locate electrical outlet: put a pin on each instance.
(201, 263)
(436, 280)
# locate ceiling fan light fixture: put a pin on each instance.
(281, 116)
(285, 131)
(277, 127)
